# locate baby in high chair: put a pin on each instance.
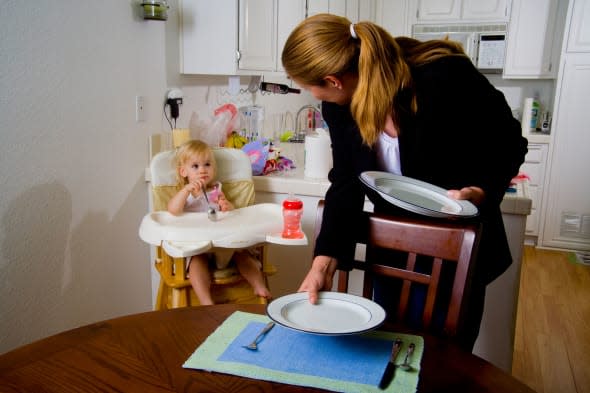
(196, 168)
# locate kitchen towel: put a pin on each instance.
(352, 363)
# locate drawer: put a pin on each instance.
(535, 154)
(534, 172)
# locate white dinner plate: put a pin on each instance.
(417, 196)
(334, 314)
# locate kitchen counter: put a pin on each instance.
(293, 181)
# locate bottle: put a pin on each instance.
(278, 88)
(535, 113)
(292, 213)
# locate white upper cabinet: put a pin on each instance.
(579, 29)
(482, 10)
(229, 37)
(354, 10)
(208, 36)
(257, 45)
(394, 16)
(534, 39)
(290, 13)
(460, 11)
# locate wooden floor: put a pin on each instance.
(552, 339)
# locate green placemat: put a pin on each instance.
(207, 355)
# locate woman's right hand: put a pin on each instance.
(319, 277)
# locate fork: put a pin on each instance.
(254, 344)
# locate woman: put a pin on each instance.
(417, 109)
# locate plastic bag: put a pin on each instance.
(258, 153)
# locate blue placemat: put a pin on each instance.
(352, 363)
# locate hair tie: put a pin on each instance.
(352, 32)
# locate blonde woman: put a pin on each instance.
(196, 169)
(416, 109)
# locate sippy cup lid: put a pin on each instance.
(292, 204)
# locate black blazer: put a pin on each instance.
(463, 134)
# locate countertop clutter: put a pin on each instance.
(294, 181)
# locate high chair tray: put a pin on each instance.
(192, 233)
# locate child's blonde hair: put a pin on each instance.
(191, 149)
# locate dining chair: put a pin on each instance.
(234, 171)
(440, 242)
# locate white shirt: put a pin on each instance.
(387, 149)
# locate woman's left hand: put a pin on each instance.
(473, 194)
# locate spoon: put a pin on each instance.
(254, 344)
(406, 365)
(211, 213)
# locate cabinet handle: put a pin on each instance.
(238, 55)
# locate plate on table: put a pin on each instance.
(417, 196)
(334, 314)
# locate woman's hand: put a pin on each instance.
(473, 194)
(319, 277)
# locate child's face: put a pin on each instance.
(199, 167)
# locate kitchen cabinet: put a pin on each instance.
(229, 37)
(394, 16)
(354, 10)
(567, 209)
(534, 166)
(566, 203)
(264, 26)
(534, 39)
(460, 11)
(579, 28)
(208, 36)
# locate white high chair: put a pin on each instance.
(177, 237)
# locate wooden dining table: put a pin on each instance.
(145, 352)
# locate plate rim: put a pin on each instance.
(378, 313)
(468, 209)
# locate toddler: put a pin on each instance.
(196, 169)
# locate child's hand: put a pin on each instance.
(194, 187)
(224, 204)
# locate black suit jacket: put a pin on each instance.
(463, 134)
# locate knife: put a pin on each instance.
(390, 369)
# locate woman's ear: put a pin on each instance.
(333, 81)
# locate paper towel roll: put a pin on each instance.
(318, 154)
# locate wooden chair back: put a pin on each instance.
(442, 241)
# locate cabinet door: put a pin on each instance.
(531, 35)
(534, 167)
(438, 10)
(567, 211)
(208, 36)
(393, 16)
(482, 10)
(354, 10)
(257, 35)
(290, 13)
(579, 30)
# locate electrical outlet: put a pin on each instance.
(139, 108)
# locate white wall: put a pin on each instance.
(72, 157)
(72, 160)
